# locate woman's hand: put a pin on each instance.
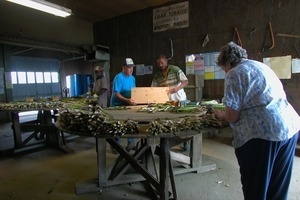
(220, 114)
(228, 115)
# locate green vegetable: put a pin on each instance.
(219, 106)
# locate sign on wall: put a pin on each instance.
(169, 17)
(296, 65)
(281, 65)
(141, 69)
(204, 64)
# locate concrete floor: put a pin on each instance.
(50, 174)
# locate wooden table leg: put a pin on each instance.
(195, 164)
(172, 179)
(164, 161)
(196, 151)
(101, 160)
(149, 157)
(134, 163)
(16, 129)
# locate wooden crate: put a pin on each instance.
(145, 95)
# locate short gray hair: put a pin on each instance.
(232, 54)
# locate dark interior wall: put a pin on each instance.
(26, 24)
(132, 35)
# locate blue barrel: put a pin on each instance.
(86, 80)
(75, 85)
(79, 84)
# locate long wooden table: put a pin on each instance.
(42, 129)
(158, 176)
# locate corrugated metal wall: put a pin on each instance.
(30, 64)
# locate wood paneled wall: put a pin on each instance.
(132, 35)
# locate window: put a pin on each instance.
(30, 77)
(13, 76)
(54, 77)
(47, 77)
(39, 77)
(22, 77)
(68, 82)
(34, 77)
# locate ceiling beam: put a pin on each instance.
(34, 43)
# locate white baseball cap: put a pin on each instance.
(128, 62)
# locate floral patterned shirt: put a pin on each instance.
(253, 89)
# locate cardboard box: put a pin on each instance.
(146, 95)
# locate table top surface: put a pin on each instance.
(133, 114)
(144, 118)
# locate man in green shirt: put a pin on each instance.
(170, 76)
(173, 77)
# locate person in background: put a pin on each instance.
(265, 126)
(173, 77)
(170, 76)
(100, 86)
(123, 82)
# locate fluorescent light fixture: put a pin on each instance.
(44, 6)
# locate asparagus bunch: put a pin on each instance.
(197, 123)
(94, 123)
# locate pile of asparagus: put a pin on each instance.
(87, 118)
(31, 105)
(94, 121)
(166, 107)
(197, 123)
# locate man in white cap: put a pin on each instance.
(122, 85)
(123, 82)
(100, 86)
